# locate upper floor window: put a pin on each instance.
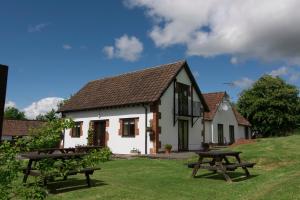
(183, 98)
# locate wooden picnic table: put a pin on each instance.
(219, 163)
(68, 150)
(35, 157)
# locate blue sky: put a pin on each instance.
(54, 47)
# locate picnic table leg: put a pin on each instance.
(197, 166)
(212, 163)
(244, 168)
(45, 181)
(88, 181)
(222, 169)
(27, 172)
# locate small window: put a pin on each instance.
(76, 130)
(128, 127)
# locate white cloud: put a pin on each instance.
(234, 60)
(279, 72)
(109, 51)
(10, 104)
(127, 48)
(266, 29)
(42, 106)
(37, 28)
(66, 47)
(243, 83)
(83, 47)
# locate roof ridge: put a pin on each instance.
(214, 92)
(139, 70)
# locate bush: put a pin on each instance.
(47, 136)
(10, 185)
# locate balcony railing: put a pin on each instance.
(185, 108)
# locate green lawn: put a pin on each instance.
(276, 176)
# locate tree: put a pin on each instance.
(50, 116)
(13, 113)
(271, 105)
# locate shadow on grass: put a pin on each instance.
(235, 176)
(71, 184)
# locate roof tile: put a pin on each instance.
(143, 86)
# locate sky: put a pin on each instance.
(54, 47)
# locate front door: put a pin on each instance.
(183, 135)
(99, 135)
(220, 134)
(231, 134)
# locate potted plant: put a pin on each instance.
(168, 148)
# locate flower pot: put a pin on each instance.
(167, 151)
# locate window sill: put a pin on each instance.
(128, 136)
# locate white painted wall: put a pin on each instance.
(169, 132)
(117, 143)
(225, 117)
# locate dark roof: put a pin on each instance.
(139, 87)
(241, 120)
(19, 127)
(213, 101)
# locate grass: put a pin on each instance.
(276, 176)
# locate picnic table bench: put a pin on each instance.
(36, 157)
(219, 163)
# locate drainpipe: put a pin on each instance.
(146, 137)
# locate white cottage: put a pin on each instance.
(223, 123)
(141, 110)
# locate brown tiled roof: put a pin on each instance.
(145, 86)
(19, 127)
(241, 120)
(213, 100)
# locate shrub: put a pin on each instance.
(47, 136)
(10, 185)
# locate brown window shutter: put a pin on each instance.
(71, 132)
(81, 132)
(107, 123)
(136, 122)
(121, 126)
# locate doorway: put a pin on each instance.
(220, 134)
(183, 135)
(99, 134)
(231, 134)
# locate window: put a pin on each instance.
(220, 134)
(76, 130)
(183, 93)
(128, 127)
(246, 132)
(231, 134)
